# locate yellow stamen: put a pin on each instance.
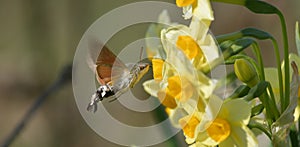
(219, 130)
(188, 45)
(183, 3)
(157, 65)
(189, 125)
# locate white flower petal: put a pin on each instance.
(236, 110)
(203, 11)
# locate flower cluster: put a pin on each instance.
(182, 59)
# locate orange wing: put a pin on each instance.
(104, 66)
(107, 66)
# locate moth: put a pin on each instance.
(114, 77)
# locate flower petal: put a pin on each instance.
(152, 87)
(236, 110)
(203, 11)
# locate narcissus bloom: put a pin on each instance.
(178, 75)
(176, 80)
(225, 124)
(197, 44)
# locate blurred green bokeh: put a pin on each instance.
(39, 37)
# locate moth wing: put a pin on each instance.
(109, 67)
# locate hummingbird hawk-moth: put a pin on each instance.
(114, 77)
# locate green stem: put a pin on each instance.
(263, 98)
(279, 72)
(230, 36)
(259, 60)
(274, 109)
(260, 127)
(294, 136)
(286, 61)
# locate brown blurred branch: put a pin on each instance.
(64, 78)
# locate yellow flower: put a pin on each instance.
(179, 75)
(225, 124)
(198, 46)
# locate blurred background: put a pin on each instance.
(39, 37)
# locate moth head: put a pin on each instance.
(143, 67)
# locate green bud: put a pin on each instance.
(245, 72)
(256, 110)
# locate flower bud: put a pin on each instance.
(245, 72)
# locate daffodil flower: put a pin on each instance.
(198, 8)
(185, 49)
(176, 80)
(225, 124)
(197, 44)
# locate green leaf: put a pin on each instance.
(237, 2)
(256, 91)
(240, 92)
(261, 7)
(256, 33)
(231, 48)
(255, 6)
(240, 45)
(226, 44)
(247, 32)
